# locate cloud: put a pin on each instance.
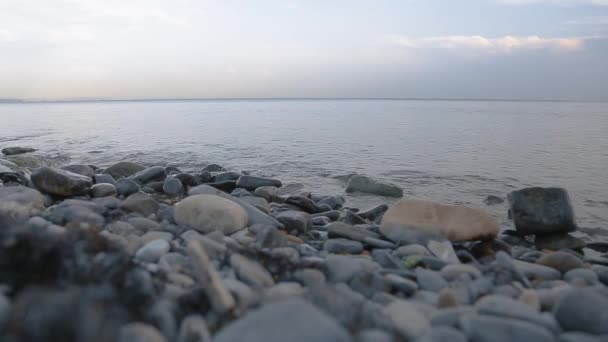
(555, 2)
(501, 44)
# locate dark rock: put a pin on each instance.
(240, 192)
(541, 211)
(374, 213)
(295, 220)
(359, 183)
(123, 169)
(252, 182)
(351, 218)
(213, 168)
(583, 310)
(294, 320)
(60, 182)
(12, 151)
(140, 203)
(103, 190)
(303, 203)
(204, 177)
(558, 241)
(153, 187)
(83, 170)
(126, 187)
(151, 174)
(493, 200)
(227, 176)
(187, 179)
(226, 186)
(334, 202)
(103, 178)
(333, 215)
(343, 246)
(173, 186)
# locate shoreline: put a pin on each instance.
(163, 255)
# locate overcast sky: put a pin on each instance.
(529, 49)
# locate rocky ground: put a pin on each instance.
(135, 253)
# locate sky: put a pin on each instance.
(144, 49)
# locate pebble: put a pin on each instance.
(454, 271)
(295, 220)
(343, 246)
(294, 320)
(123, 169)
(536, 271)
(501, 306)
(561, 261)
(140, 332)
(102, 178)
(584, 310)
(60, 182)
(584, 276)
(207, 213)
(172, 186)
(407, 320)
(152, 251)
(303, 203)
(430, 280)
(221, 300)
(251, 272)
(140, 203)
(126, 187)
(493, 200)
(194, 329)
(500, 329)
(103, 190)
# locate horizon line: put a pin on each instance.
(77, 100)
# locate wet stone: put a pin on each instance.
(343, 246)
(103, 190)
(126, 187)
(140, 203)
(60, 182)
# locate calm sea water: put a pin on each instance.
(450, 151)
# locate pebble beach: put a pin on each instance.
(131, 252)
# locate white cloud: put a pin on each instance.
(556, 2)
(501, 44)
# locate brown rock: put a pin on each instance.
(457, 223)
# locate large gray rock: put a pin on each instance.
(501, 329)
(541, 211)
(126, 187)
(173, 186)
(293, 320)
(255, 215)
(583, 309)
(60, 182)
(123, 169)
(207, 213)
(252, 182)
(360, 183)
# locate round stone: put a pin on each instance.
(207, 213)
(103, 190)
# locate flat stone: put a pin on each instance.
(79, 169)
(582, 276)
(343, 230)
(561, 261)
(493, 200)
(295, 220)
(457, 223)
(539, 210)
(207, 213)
(583, 310)
(140, 203)
(220, 298)
(103, 190)
(536, 271)
(252, 182)
(123, 169)
(227, 176)
(250, 272)
(360, 183)
(151, 174)
(454, 271)
(430, 280)
(374, 213)
(152, 251)
(126, 187)
(173, 186)
(303, 203)
(293, 320)
(140, 332)
(343, 246)
(60, 182)
(213, 168)
(558, 241)
(401, 284)
(13, 151)
(494, 305)
(266, 192)
(194, 329)
(500, 329)
(334, 202)
(255, 215)
(407, 320)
